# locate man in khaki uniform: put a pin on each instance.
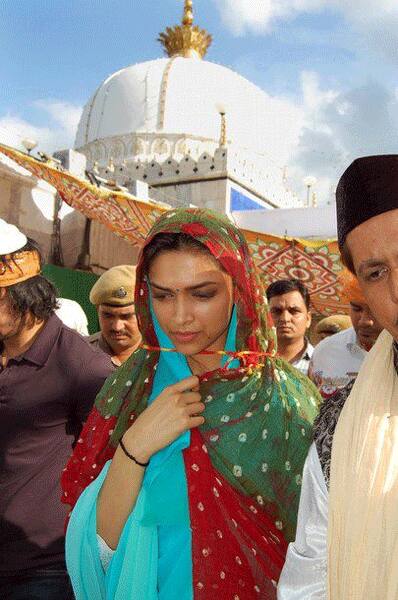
(113, 295)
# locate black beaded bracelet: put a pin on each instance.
(130, 456)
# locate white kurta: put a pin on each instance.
(304, 576)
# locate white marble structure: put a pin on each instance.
(138, 121)
(196, 132)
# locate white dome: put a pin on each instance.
(181, 96)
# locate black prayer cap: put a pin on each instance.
(369, 187)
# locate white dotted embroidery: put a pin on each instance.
(237, 471)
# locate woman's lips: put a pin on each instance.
(185, 338)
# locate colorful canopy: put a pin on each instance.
(316, 263)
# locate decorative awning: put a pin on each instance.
(316, 263)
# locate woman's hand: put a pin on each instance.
(173, 412)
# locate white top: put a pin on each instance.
(105, 553)
(336, 361)
(72, 315)
(304, 575)
(303, 362)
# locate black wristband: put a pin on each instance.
(130, 456)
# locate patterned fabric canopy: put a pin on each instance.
(316, 263)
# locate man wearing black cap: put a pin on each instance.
(346, 541)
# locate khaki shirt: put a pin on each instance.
(99, 341)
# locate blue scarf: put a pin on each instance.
(153, 560)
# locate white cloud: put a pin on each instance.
(60, 132)
(258, 16)
(339, 126)
(376, 20)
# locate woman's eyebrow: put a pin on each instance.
(191, 287)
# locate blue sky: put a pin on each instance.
(335, 61)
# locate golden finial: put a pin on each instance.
(186, 40)
(188, 13)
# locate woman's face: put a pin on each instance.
(192, 299)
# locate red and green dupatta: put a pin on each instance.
(244, 464)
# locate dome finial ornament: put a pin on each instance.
(188, 13)
(185, 40)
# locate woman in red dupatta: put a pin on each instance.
(244, 448)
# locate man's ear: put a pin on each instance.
(309, 319)
(3, 292)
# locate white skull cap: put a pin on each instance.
(11, 239)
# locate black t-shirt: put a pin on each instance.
(45, 396)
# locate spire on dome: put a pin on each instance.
(185, 40)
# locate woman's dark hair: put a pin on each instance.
(36, 295)
(167, 242)
(284, 286)
(346, 258)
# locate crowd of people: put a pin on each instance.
(199, 446)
